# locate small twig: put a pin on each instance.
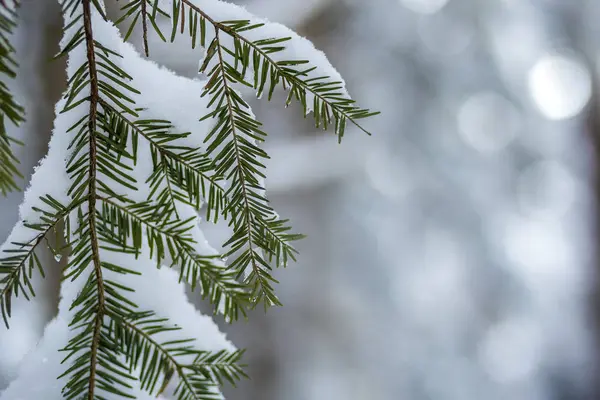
(182, 17)
(93, 148)
(145, 28)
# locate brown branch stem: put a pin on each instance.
(94, 96)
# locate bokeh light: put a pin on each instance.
(560, 86)
(487, 121)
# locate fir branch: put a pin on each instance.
(93, 99)
(112, 376)
(9, 109)
(243, 173)
(239, 159)
(139, 8)
(189, 166)
(94, 367)
(328, 102)
(135, 336)
(17, 267)
(107, 326)
(253, 220)
(216, 282)
(181, 166)
(114, 227)
(231, 142)
(219, 365)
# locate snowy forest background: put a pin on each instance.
(450, 256)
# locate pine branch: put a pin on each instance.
(9, 109)
(118, 222)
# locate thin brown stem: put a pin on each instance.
(92, 196)
(182, 18)
(237, 151)
(145, 27)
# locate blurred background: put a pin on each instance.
(452, 255)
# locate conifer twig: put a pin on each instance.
(93, 99)
(294, 78)
(144, 12)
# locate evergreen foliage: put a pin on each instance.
(9, 109)
(114, 341)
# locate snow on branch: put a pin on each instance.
(136, 152)
(191, 366)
